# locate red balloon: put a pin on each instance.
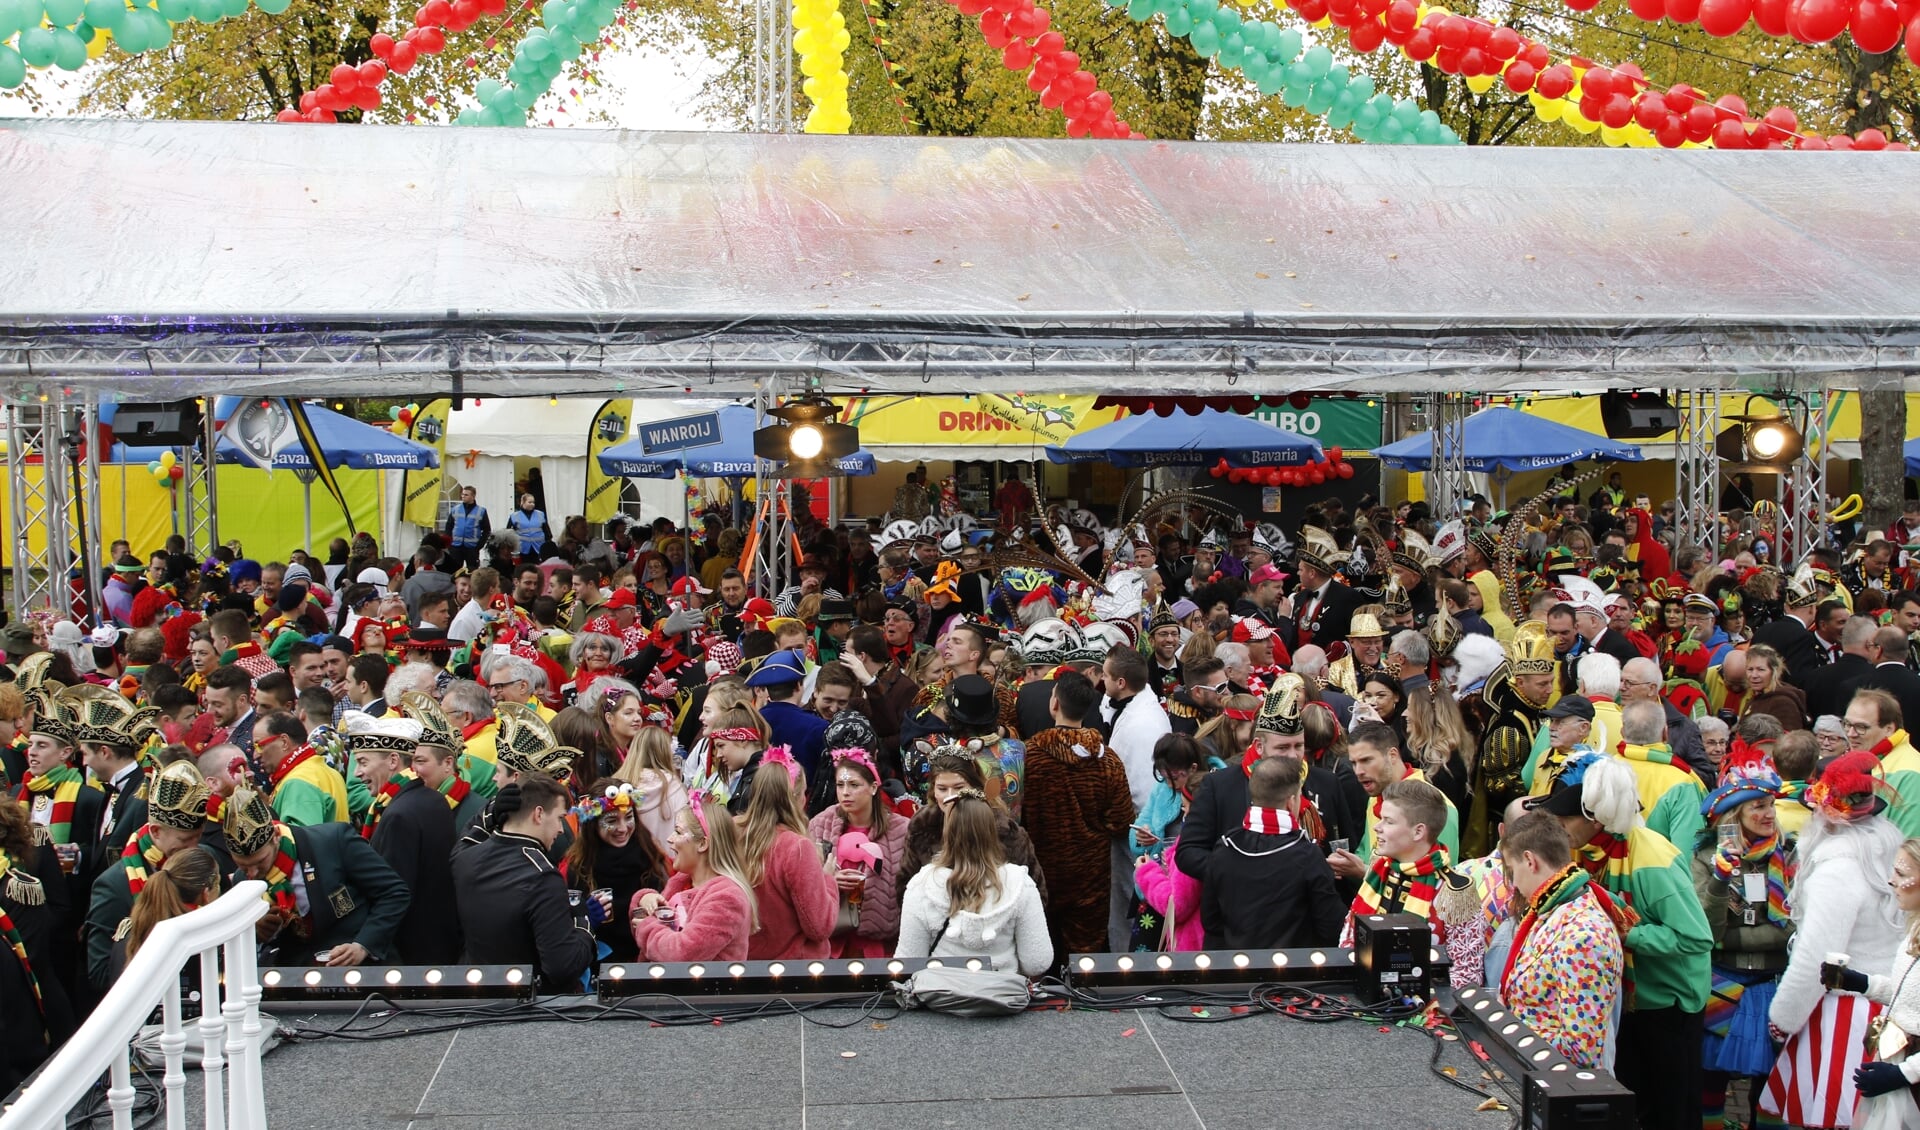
(1503, 43)
(431, 40)
(1018, 56)
(1730, 134)
(373, 72)
(1817, 21)
(1683, 11)
(993, 27)
(1452, 32)
(1367, 36)
(1520, 76)
(1840, 143)
(1770, 16)
(1871, 140)
(1617, 111)
(290, 115)
(176, 472)
(1555, 82)
(1473, 62)
(344, 78)
(1876, 25)
(1346, 470)
(1913, 39)
(1214, 470)
(1420, 46)
(466, 11)
(1597, 83)
(433, 13)
(1649, 10)
(327, 98)
(367, 98)
(971, 7)
(1403, 16)
(405, 54)
(1651, 112)
(1672, 134)
(1052, 43)
(1300, 401)
(309, 102)
(1812, 143)
(381, 45)
(1316, 474)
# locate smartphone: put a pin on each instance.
(1337, 845)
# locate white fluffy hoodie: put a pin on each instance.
(1011, 929)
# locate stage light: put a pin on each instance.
(414, 982)
(1556, 1094)
(1231, 967)
(1772, 440)
(808, 438)
(758, 978)
(1391, 953)
(804, 441)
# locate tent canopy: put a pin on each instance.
(344, 442)
(732, 457)
(607, 262)
(1148, 440)
(1508, 439)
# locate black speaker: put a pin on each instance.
(173, 424)
(1393, 956)
(1637, 415)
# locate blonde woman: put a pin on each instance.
(972, 901)
(706, 912)
(1228, 735)
(649, 767)
(796, 899)
(1438, 739)
(728, 692)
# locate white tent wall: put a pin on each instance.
(497, 432)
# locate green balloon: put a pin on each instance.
(159, 31)
(1179, 23)
(1406, 114)
(273, 7)
(209, 11)
(1203, 10)
(1205, 40)
(1362, 88)
(1232, 57)
(1317, 61)
(1226, 21)
(1288, 47)
(1340, 117)
(64, 13)
(37, 46)
(1321, 100)
(1339, 76)
(1271, 81)
(13, 69)
(106, 13)
(1139, 11)
(176, 11)
(1297, 90)
(69, 51)
(131, 36)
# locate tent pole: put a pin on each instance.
(307, 489)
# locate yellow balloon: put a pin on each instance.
(1480, 84)
(97, 46)
(1544, 108)
(841, 41)
(168, 459)
(1613, 137)
(1640, 137)
(1573, 117)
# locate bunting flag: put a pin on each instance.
(603, 490)
(303, 429)
(423, 488)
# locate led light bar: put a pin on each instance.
(1236, 967)
(799, 976)
(401, 982)
(1556, 1094)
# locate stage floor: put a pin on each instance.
(1132, 1068)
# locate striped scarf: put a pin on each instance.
(1395, 887)
(1769, 855)
(65, 783)
(280, 880)
(141, 859)
(1557, 892)
(10, 934)
(398, 783)
(1605, 858)
(456, 791)
(1795, 791)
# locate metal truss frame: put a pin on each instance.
(1696, 470)
(1447, 482)
(1803, 487)
(41, 432)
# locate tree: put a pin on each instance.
(1883, 465)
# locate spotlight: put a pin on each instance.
(808, 439)
(757, 978)
(1772, 440)
(1555, 1093)
(401, 982)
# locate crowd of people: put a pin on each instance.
(1660, 796)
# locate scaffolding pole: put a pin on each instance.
(34, 434)
(1447, 483)
(1803, 488)
(1696, 471)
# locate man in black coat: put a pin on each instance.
(513, 904)
(1892, 674)
(1829, 688)
(412, 827)
(1266, 885)
(1792, 634)
(334, 900)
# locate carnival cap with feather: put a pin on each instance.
(107, 717)
(526, 744)
(1414, 554)
(1280, 709)
(1317, 548)
(1050, 643)
(1852, 787)
(436, 729)
(1394, 598)
(1803, 588)
(52, 713)
(248, 821)
(30, 675)
(178, 797)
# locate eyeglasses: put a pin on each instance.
(503, 686)
(1220, 687)
(1854, 727)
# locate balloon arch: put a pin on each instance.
(1619, 101)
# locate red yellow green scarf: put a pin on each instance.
(1391, 886)
(398, 783)
(1557, 892)
(456, 791)
(1381, 800)
(65, 783)
(10, 934)
(141, 859)
(293, 760)
(280, 878)
(1768, 856)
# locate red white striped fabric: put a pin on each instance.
(1812, 1082)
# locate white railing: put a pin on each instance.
(229, 1026)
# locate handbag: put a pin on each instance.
(965, 992)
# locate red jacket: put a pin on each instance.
(796, 900)
(715, 921)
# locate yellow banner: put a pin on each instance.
(421, 504)
(603, 490)
(987, 420)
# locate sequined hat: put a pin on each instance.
(177, 798)
(248, 822)
(526, 744)
(436, 729)
(104, 716)
(1317, 548)
(1531, 650)
(1280, 709)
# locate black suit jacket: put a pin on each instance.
(352, 895)
(1830, 686)
(1332, 619)
(1902, 684)
(129, 806)
(415, 836)
(1797, 646)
